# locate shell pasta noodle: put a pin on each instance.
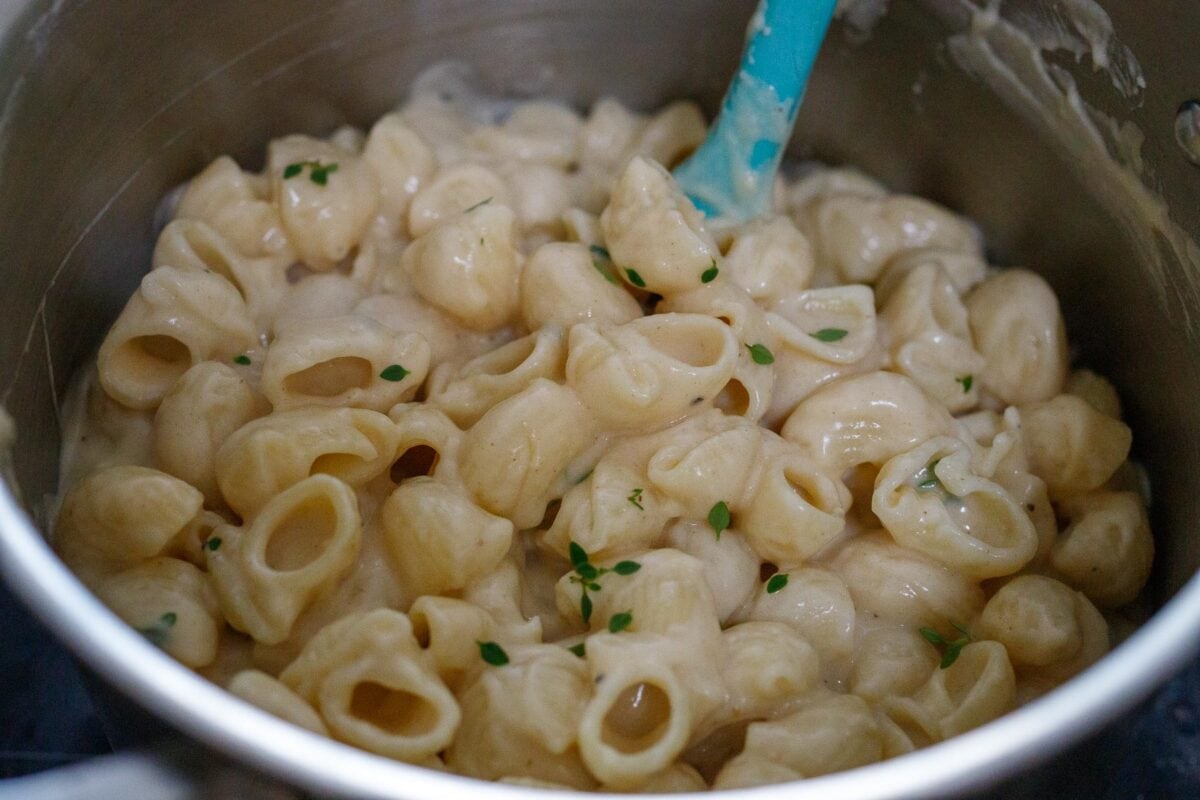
(468, 441)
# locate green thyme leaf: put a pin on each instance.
(578, 555)
(626, 567)
(951, 654)
(710, 274)
(158, 633)
(760, 354)
(635, 279)
(213, 544)
(619, 622)
(492, 653)
(585, 607)
(318, 173)
(603, 264)
(777, 582)
(830, 334)
(243, 359)
(966, 381)
(718, 517)
(394, 373)
(927, 479)
(587, 572)
(932, 636)
(579, 649)
(636, 499)
(950, 650)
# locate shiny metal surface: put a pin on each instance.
(105, 104)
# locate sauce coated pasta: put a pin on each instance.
(468, 441)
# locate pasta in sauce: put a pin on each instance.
(469, 442)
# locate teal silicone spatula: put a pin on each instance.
(730, 176)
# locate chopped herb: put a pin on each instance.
(830, 334)
(709, 274)
(157, 633)
(635, 279)
(213, 544)
(777, 582)
(718, 517)
(927, 479)
(318, 173)
(619, 622)
(951, 649)
(636, 498)
(579, 649)
(478, 205)
(584, 477)
(587, 574)
(760, 354)
(394, 373)
(602, 261)
(492, 653)
(966, 382)
(579, 556)
(243, 359)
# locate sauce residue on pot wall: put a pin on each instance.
(1005, 46)
(1008, 54)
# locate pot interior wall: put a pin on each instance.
(113, 103)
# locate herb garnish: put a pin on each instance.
(318, 173)
(635, 279)
(830, 334)
(584, 476)
(157, 633)
(966, 382)
(602, 261)
(213, 544)
(777, 582)
(927, 479)
(709, 274)
(477, 205)
(718, 517)
(587, 575)
(951, 649)
(636, 497)
(619, 622)
(579, 649)
(243, 359)
(760, 354)
(394, 373)
(492, 653)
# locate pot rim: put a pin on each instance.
(1020, 739)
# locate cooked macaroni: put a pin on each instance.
(470, 442)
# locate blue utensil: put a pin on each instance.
(731, 174)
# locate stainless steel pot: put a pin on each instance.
(108, 103)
